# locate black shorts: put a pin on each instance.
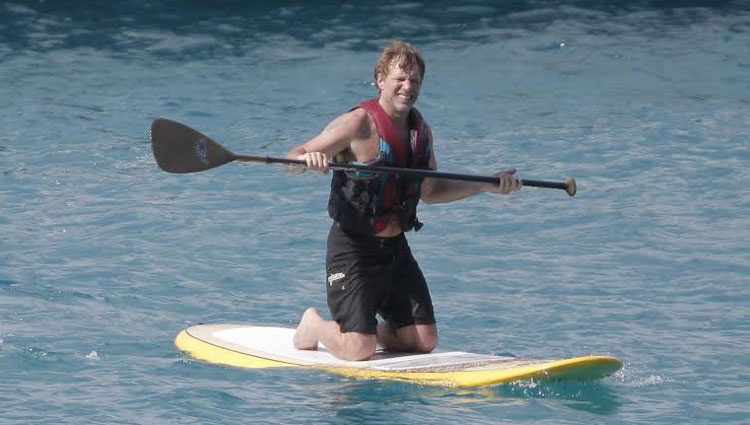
(367, 275)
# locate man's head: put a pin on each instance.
(400, 53)
(398, 75)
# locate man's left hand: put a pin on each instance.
(507, 184)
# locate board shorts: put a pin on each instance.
(368, 275)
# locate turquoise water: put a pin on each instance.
(104, 257)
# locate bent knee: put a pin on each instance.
(359, 354)
(427, 338)
(426, 345)
(359, 347)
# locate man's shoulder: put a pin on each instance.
(352, 120)
(350, 126)
(358, 114)
(361, 120)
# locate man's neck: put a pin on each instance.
(399, 119)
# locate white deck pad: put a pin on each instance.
(275, 343)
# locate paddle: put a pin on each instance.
(180, 149)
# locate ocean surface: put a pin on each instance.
(104, 257)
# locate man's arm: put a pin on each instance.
(436, 191)
(336, 137)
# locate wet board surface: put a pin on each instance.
(254, 346)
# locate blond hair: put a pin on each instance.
(402, 53)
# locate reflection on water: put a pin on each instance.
(347, 399)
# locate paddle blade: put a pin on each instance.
(180, 149)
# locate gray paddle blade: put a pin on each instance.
(180, 149)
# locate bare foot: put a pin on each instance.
(304, 337)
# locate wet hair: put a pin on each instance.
(402, 53)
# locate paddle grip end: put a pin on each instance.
(570, 186)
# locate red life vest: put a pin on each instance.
(363, 202)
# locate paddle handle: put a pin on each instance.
(569, 186)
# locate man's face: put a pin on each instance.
(399, 88)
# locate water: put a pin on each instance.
(104, 258)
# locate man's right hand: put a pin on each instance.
(317, 161)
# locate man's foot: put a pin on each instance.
(305, 337)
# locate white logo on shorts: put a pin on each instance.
(334, 277)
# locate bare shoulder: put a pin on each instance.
(351, 122)
(340, 133)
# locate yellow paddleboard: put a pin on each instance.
(253, 346)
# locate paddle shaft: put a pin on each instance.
(181, 149)
(568, 186)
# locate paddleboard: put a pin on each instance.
(253, 346)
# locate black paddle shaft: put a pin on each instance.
(180, 149)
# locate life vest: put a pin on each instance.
(363, 202)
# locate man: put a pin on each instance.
(370, 267)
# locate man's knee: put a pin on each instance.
(427, 338)
(418, 338)
(358, 346)
(426, 345)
